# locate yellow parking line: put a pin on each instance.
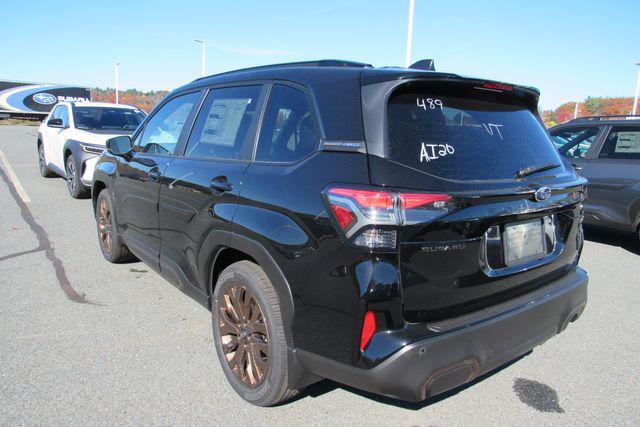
(14, 178)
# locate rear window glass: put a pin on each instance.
(465, 134)
(97, 118)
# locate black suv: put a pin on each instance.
(606, 151)
(399, 230)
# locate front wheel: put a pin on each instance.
(42, 163)
(76, 189)
(112, 248)
(249, 336)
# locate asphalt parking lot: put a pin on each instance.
(85, 342)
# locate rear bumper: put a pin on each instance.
(432, 366)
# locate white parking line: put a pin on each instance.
(14, 178)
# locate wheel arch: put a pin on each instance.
(103, 177)
(243, 248)
(240, 248)
(71, 147)
(96, 187)
(224, 257)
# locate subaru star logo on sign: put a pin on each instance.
(45, 98)
(542, 193)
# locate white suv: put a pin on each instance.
(73, 136)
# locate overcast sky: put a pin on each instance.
(568, 49)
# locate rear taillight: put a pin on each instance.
(416, 200)
(369, 217)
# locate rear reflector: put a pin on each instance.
(344, 216)
(368, 329)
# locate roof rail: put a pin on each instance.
(610, 117)
(316, 63)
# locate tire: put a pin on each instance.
(76, 188)
(261, 330)
(111, 246)
(42, 163)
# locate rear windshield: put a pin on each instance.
(91, 118)
(465, 134)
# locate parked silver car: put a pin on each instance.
(606, 151)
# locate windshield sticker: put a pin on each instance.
(430, 152)
(429, 103)
(490, 127)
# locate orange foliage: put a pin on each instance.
(588, 107)
(143, 100)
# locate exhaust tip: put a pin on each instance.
(450, 377)
(572, 317)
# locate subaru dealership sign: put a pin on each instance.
(45, 98)
(32, 99)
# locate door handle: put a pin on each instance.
(220, 185)
(576, 167)
(154, 175)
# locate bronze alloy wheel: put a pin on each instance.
(244, 336)
(105, 226)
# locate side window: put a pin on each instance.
(288, 133)
(64, 115)
(575, 142)
(162, 131)
(222, 129)
(623, 142)
(55, 114)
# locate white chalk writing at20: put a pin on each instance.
(430, 152)
(490, 127)
(429, 103)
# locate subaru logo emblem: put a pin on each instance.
(542, 193)
(45, 98)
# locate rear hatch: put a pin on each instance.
(509, 228)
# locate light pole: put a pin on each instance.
(575, 111)
(117, 80)
(407, 58)
(204, 58)
(635, 99)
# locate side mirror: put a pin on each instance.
(55, 123)
(119, 146)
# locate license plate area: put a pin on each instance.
(524, 241)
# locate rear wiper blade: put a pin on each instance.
(533, 169)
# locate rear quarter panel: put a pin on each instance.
(281, 208)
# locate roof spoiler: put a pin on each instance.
(424, 64)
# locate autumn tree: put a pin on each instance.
(592, 106)
(143, 100)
